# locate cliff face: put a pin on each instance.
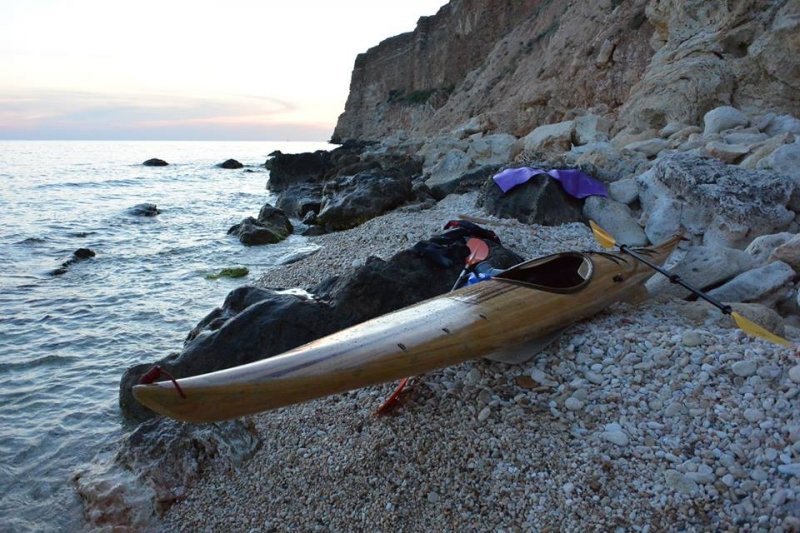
(518, 64)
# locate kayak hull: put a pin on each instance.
(493, 316)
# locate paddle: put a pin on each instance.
(607, 241)
(479, 251)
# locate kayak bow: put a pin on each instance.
(523, 303)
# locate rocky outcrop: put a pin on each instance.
(271, 226)
(509, 67)
(80, 254)
(155, 162)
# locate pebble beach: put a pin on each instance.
(640, 419)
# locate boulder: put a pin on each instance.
(255, 323)
(616, 218)
(271, 226)
(648, 147)
(351, 200)
(672, 128)
(762, 247)
(663, 221)
(471, 181)
(541, 200)
(550, 138)
(155, 162)
(755, 285)
(785, 160)
(701, 267)
(445, 174)
(289, 169)
(591, 129)
(723, 118)
(729, 153)
(729, 195)
(772, 124)
(144, 210)
(625, 191)
(765, 149)
(788, 252)
(497, 149)
(231, 164)
(747, 138)
(300, 199)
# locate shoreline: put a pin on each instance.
(482, 445)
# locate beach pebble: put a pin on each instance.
(484, 414)
(573, 404)
(679, 482)
(794, 373)
(613, 433)
(691, 339)
(744, 368)
(792, 469)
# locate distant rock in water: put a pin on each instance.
(155, 162)
(231, 163)
(144, 210)
(78, 255)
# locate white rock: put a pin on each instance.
(792, 469)
(691, 339)
(664, 220)
(727, 152)
(624, 191)
(450, 168)
(723, 118)
(590, 129)
(616, 218)
(648, 147)
(613, 433)
(755, 284)
(744, 368)
(555, 137)
(679, 482)
(573, 404)
(794, 373)
(753, 415)
(497, 149)
(762, 247)
(484, 414)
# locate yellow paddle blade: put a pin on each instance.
(757, 331)
(602, 236)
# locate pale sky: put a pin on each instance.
(186, 69)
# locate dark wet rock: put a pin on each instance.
(286, 170)
(271, 226)
(156, 465)
(351, 200)
(314, 231)
(155, 162)
(144, 210)
(80, 254)
(299, 200)
(231, 164)
(541, 200)
(255, 323)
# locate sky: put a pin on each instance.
(186, 69)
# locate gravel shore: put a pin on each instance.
(636, 420)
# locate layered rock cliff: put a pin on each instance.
(510, 66)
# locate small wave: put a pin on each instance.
(44, 361)
(125, 182)
(30, 241)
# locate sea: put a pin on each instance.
(66, 339)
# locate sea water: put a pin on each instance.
(65, 340)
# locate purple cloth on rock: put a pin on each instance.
(575, 182)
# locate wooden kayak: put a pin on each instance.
(522, 304)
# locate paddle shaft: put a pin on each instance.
(674, 278)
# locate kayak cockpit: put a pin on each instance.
(564, 273)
